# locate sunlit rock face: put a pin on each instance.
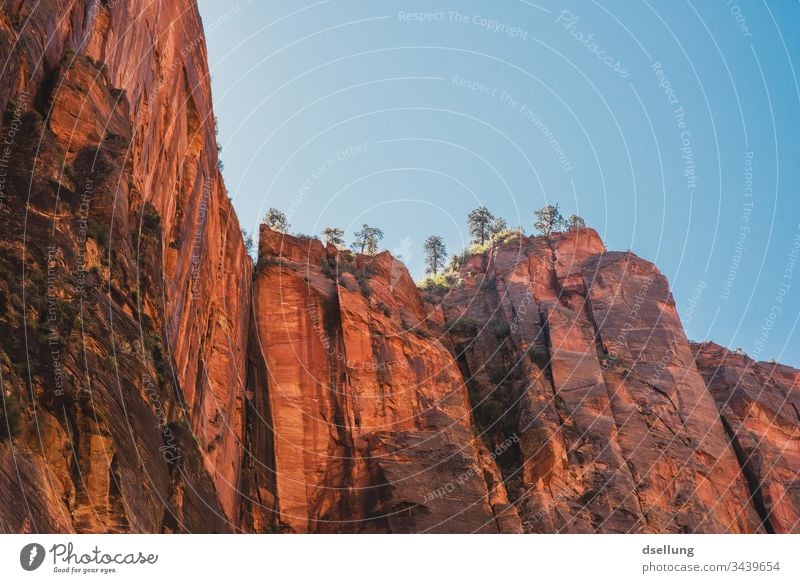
(580, 353)
(129, 389)
(155, 380)
(759, 404)
(372, 424)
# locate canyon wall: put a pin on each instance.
(372, 424)
(123, 258)
(555, 374)
(581, 353)
(759, 405)
(155, 380)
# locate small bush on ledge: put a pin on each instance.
(438, 284)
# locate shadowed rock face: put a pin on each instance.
(146, 388)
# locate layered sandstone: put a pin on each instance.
(145, 388)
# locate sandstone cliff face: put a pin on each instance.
(118, 241)
(370, 414)
(760, 407)
(146, 389)
(581, 354)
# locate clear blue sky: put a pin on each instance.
(672, 127)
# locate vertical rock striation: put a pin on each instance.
(370, 415)
(153, 381)
(759, 403)
(581, 353)
(118, 241)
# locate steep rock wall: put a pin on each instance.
(371, 420)
(117, 138)
(551, 389)
(581, 353)
(759, 403)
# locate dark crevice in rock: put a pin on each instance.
(376, 499)
(554, 283)
(612, 397)
(42, 99)
(347, 506)
(589, 310)
(338, 356)
(548, 373)
(258, 480)
(750, 475)
(71, 425)
(115, 500)
(169, 523)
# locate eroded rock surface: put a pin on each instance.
(125, 278)
(371, 419)
(580, 353)
(760, 407)
(154, 381)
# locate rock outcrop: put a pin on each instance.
(154, 380)
(580, 353)
(759, 404)
(370, 415)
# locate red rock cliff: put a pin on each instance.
(114, 203)
(581, 353)
(551, 388)
(372, 426)
(759, 405)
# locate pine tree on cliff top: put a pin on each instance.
(576, 222)
(276, 220)
(435, 254)
(367, 239)
(333, 236)
(549, 219)
(480, 222)
(483, 225)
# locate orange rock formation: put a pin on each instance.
(154, 380)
